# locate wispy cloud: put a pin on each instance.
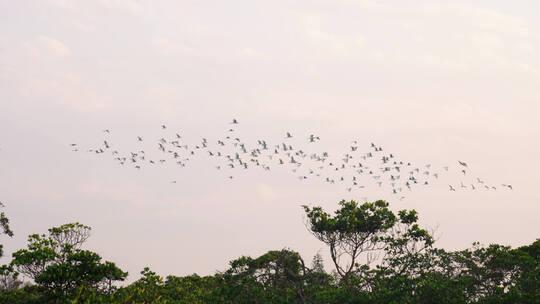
(45, 45)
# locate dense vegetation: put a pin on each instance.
(378, 256)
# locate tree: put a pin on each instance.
(4, 225)
(151, 288)
(274, 277)
(368, 232)
(8, 278)
(147, 289)
(317, 263)
(354, 230)
(500, 273)
(56, 263)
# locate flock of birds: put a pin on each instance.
(354, 169)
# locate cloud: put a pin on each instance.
(164, 45)
(59, 3)
(51, 46)
(266, 192)
(63, 88)
(85, 27)
(250, 52)
(466, 36)
(333, 44)
(438, 36)
(134, 7)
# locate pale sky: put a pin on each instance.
(431, 81)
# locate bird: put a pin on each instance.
(312, 138)
(234, 153)
(508, 186)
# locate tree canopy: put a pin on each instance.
(4, 228)
(57, 264)
(378, 256)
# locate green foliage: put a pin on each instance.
(27, 295)
(9, 278)
(58, 266)
(276, 276)
(4, 226)
(357, 230)
(151, 288)
(401, 266)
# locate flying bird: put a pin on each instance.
(235, 153)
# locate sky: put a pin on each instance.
(431, 81)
